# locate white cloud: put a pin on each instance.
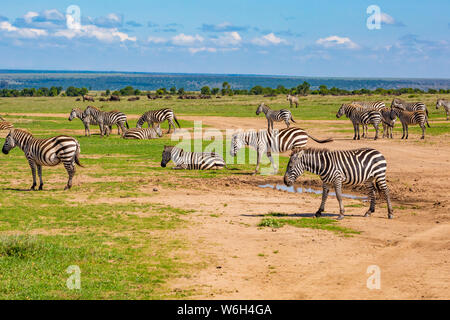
(183, 39)
(207, 49)
(336, 41)
(92, 31)
(156, 39)
(268, 39)
(21, 32)
(228, 39)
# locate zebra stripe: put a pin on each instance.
(45, 152)
(191, 160)
(158, 116)
(359, 115)
(266, 142)
(107, 119)
(143, 133)
(411, 117)
(275, 115)
(5, 125)
(445, 104)
(378, 105)
(410, 106)
(344, 167)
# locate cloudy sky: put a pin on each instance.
(309, 38)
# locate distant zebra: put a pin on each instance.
(158, 116)
(191, 160)
(445, 104)
(107, 119)
(388, 117)
(359, 115)
(45, 152)
(87, 121)
(292, 100)
(143, 133)
(266, 142)
(275, 115)
(5, 125)
(411, 117)
(410, 106)
(344, 167)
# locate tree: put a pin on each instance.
(107, 92)
(303, 89)
(181, 91)
(127, 91)
(137, 92)
(173, 90)
(257, 90)
(205, 90)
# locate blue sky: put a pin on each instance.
(305, 38)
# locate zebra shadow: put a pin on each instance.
(17, 189)
(300, 215)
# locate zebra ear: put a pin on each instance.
(296, 150)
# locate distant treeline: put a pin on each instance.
(226, 90)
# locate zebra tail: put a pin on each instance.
(320, 141)
(126, 122)
(426, 111)
(292, 119)
(175, 118)
(77, 156)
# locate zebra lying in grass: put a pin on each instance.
(106, 119)
(292, 100)
(411, 117)
(337, 168)
(5, 125)
(45, 152)
(266, 142)
(191, 160)
(445, 104)
(158, 116)
(275, 115)
(410, 106)
(359, 115)
(87, 121)
(143, 133)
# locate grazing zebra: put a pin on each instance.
(5, 125)
(106, 119)
(77, 113)
(275, 115)
(358, 115)
(410, 106)
(191, 160)
(266, 142)
(411, 117)
(388, 117)
(158, 116)
(445, 104)
(45, 152)
(292, 100)
(344, 167)
(143, 133)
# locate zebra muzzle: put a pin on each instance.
(5, 151)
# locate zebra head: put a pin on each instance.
(341, 111)
(74, 114)
(397, 103)
(10, 143)
(87, 112)
(294, 168)
(260, 108)
(439, 103)
(237, 142)
(158, 131)
(140, 122)
(166, 156)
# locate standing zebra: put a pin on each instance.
(411, 117)
(106, 119)
(345, 167)
(266, 142)
(358, 115)
(410, 106)
(143, 133)
(158, 116)
(292, 100)
(191, 160)
(87, 121)
(5, 125)
(388, 117)
(377, 105)
(45, 152)
(275, 115)
(445, 104)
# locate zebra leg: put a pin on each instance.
(258, 161)
(338, 189)
(325, 191)
(376, 131)
(371, 188)
(354, 131)
(423, 132)
(403, 130)
(86, 127)
(70, 167)
(287, 123)
(275, 168)
(33, 172)
(39, 170)
(383, 188)
(407, 131)
(171, 124)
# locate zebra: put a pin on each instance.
(388, 117)
(87, 121)
(266, 142)
(143, 133)
(445, 104)
(5, 125)
(358, 115)
(158, 116)
(292, 100)
(275, 115)
(411, 117)
(410, 106)
(191, 160)
(378, 105)
(45, 152)
(106, 119)
(342, 167)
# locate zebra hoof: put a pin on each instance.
(40, 188)
(368, 214)
(318, 214)
(390, 216)
(341, 216)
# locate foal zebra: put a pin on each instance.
(158, 116)
(292, 100)
(411, 117)
(5, 125)
(266, 142)
(344, 167)
(445, 104)
(410, 106)
(77, 113)
(275, 115)
(358, 115)
(45, 152)
(191, 160)
(143, 133)
(106, 119)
